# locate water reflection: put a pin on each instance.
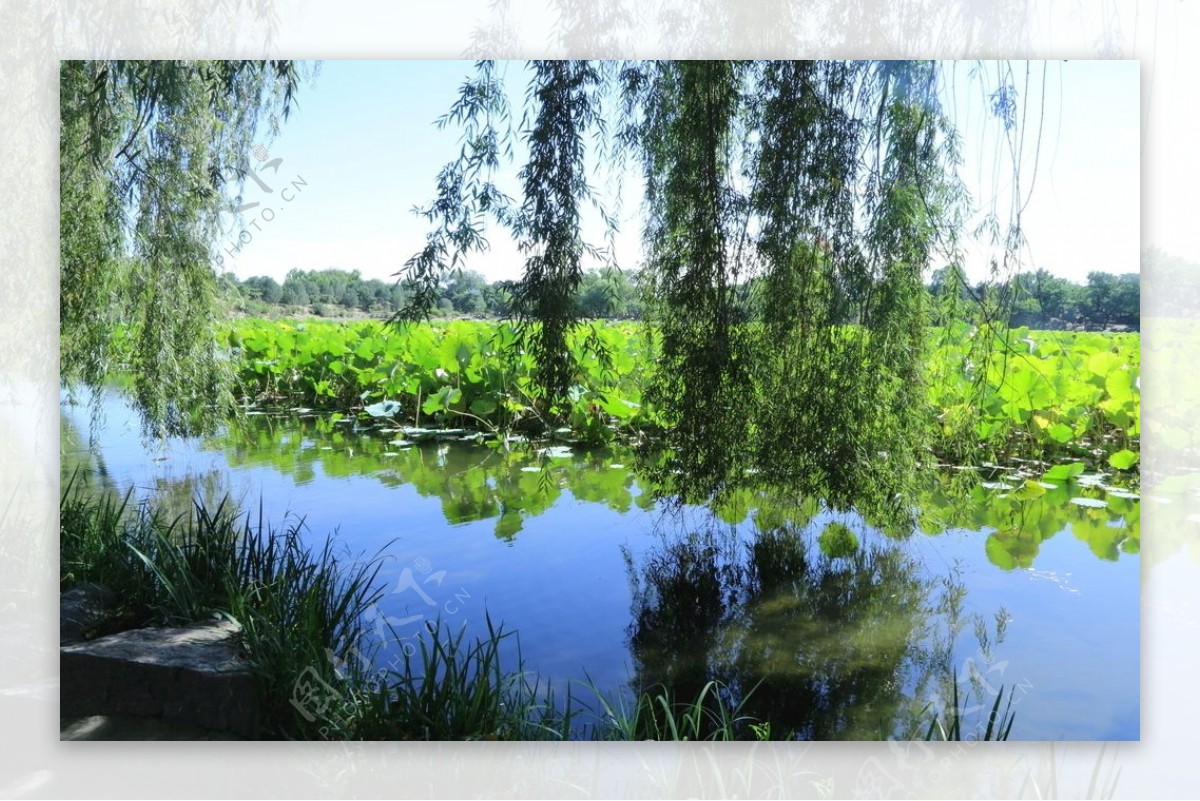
(849, 624)
(830, 642)
(174, 495)
(510, 485)
(473, 481)
(1022, 514)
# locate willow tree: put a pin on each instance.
(790, 211)
(147, 151)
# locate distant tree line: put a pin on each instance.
(1044, 301)
(607, 293)
(1037, 300)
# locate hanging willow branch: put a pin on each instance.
(564, 106)
(547, 228)
(147, 152)
(791, 209)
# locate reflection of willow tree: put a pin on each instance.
(173, 496)
(76, 456)
(826, 647)
(478, 483)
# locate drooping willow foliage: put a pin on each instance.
(146, 151)
(564, 110)
(790, 210)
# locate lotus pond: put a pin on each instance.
(1026, 577)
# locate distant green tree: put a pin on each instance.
(596, 298)
(350, 297)
(1126, 300)
(499, 298)
(294, 293)
(608, 292)
(1057, 298)
(464, 289)
(396, 297)
(264, 288)
(473, 304)
(375, 295)
(1099, 298)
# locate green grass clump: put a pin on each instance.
(297, 608)
(459, 689)
(657, 714)
(997, 728)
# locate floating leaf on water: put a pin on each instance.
(1091, 503)
(386, 408)
(1064, 472)
(559, 452)
(1047, 485)
(996, 485)
(1120, 493)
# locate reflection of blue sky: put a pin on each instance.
(1072, 642)
(1074, 636)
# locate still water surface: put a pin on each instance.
(1040, 594)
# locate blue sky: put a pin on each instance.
(362, 149)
